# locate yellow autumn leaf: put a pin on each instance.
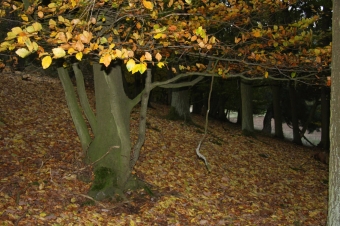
(130, 64)
(71, 50)
(266, 74)
(16, 30)
(61, 19)
(23, 52)
(106, 60)
(30, 29)
(46, 62)
(158, 36)
(35, 46)
(37, 26)
(52, 23)
(24, 17)
(52, 5)
(141, 68)
(29, 44)
(22, 39)
(148, 4)
(58, 52)
(160, 64)
(79, 56)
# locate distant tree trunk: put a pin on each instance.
(295, 120)
(325, 114)
(180, 105)
(267, 120)
(277, 111)
(247, 109)
(334, 163)
(239, 116)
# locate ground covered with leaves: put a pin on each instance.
(253, 181)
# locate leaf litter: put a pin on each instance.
(253, 181)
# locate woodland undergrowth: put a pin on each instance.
(253, 181)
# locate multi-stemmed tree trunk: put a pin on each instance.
(247, 108)
(334, 161)
(110, 151)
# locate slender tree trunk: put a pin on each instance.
(75, 111)
(334, 163)
(325, 114)
(295, 121)
(267, 120)
(239, 116)
(247, 109)
(277, 111)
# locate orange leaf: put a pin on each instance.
(257, 33)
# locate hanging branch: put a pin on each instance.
(198, 153)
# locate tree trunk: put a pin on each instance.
(334, 161)
(110, 149)
(267, 120)
(295, 120)
(247, 109)
(325, 114)
(180, 105)
(277, 111)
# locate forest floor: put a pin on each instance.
(253, 181)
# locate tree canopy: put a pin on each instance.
(226, 38)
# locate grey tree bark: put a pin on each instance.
(247, 109)
(334, 161)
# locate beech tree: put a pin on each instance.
(139, 34)
(334, 160)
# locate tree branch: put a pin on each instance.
(142, 120)
(83, 97)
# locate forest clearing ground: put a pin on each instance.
(261, 181)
